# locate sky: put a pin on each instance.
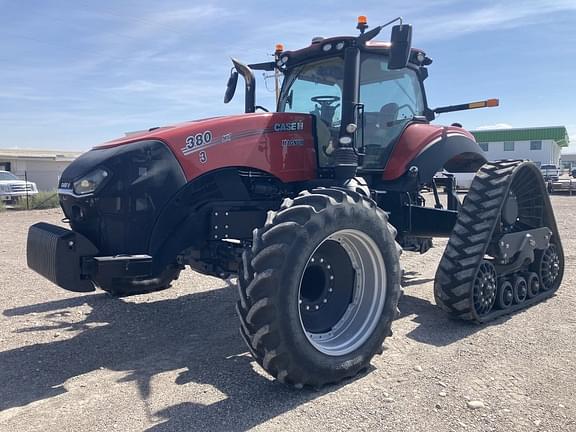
(77, 73)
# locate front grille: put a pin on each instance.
(21, 188)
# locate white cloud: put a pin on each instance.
(495, 126)
(509, 14)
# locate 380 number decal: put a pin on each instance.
(199, 139)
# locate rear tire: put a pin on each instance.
(320, 287)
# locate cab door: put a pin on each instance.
(391, 99)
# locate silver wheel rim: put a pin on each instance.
(369, 296)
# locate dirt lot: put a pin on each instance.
(174, 360)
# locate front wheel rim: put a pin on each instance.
(366, 298)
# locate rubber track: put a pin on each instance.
(256, 282)
(469, 241)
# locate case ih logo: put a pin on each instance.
(289, 127)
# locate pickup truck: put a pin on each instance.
(550, 172)
(12, 188)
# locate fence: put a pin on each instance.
(38, 199)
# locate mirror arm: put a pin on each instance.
(365, 37)
(250, 82)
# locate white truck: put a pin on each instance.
(550, 172)
(12, 188)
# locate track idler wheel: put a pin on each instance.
(505, 295)
(548, 265)
(520, 290)
(485, 288)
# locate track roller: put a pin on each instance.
(520, 289)
(505, 295)
(533, 283)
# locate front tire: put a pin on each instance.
(319, 289)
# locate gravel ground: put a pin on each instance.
(173, 360)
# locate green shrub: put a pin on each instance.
(41, 200)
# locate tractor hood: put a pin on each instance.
(278, 143)
(114, 193)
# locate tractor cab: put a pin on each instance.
(388, 99)
(361, 93)
(364, 97)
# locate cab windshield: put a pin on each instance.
(315, 88)
(391, 99)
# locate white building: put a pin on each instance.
(568, 159)
(541, 145)
(43, 167)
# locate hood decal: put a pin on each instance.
(194, 145)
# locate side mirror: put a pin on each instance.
(231, 86)
(401, 40)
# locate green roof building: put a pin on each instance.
(541, 145)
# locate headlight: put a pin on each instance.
(4, 188)
(90, 182)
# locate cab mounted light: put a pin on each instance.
(472, 105)
(362, 23)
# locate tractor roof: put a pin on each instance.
(321, 47)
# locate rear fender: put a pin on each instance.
(455, 153)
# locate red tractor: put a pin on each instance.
(310, 206)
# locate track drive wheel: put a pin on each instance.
(320, 287)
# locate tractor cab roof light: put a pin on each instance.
(362, 23)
